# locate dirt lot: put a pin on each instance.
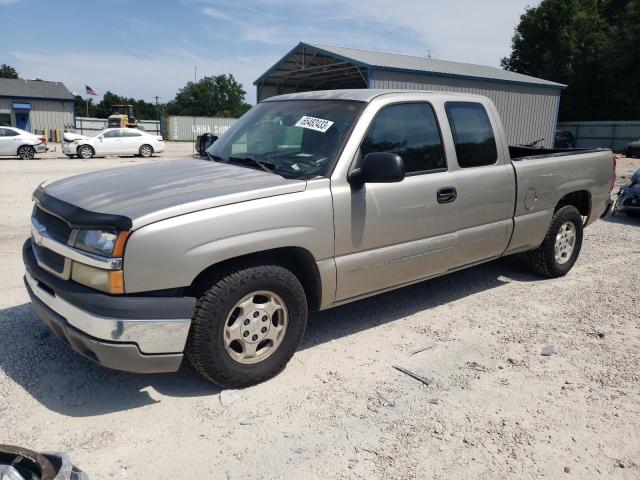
(496, 408)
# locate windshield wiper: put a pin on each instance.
(266, 166)
(213, 158)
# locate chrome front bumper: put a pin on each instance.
(151, 336)
(138, 334)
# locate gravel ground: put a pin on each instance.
(496, 408)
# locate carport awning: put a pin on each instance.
(21, 106)
(306, 68)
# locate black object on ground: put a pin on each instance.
(420, 378)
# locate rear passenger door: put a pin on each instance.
(131, 142)
(8, 141)
(486, 183)
(387, 234)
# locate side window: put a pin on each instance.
(472, 134)
(410, 130)
(129, 133)
(112, 134)
(7, 132)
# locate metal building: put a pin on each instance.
(528, 105)
(35, 105)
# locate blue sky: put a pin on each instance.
(145, 48)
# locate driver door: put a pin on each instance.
(111, 143)
(389, 234)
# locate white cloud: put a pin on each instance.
(8, 2)
(462, 30)
(215, 13)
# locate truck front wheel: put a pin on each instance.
(561, 246)
(248, 325)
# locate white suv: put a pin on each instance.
(19, 143)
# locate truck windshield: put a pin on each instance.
(295, 139)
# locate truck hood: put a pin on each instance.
(156, 191)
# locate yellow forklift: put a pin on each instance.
(122, 117)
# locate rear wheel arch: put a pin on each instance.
(298, 260)
(26, 151)
(581, 199)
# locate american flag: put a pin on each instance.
(90, 91)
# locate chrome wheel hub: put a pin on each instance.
(255, 327)
(565, 242)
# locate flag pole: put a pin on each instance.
(86, 101)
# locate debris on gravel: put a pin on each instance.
(420, 378)
(548, 351)
(228, 397)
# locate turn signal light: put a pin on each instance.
(121, 241)
(116, 281)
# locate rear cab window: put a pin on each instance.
(410, 130)
(472, 134)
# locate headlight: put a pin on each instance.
(108, 243)
(109, 281)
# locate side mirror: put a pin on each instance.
(100, 137)
(378, 167)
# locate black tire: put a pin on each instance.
(145, 151)
(543, 260)
(26, 152)
(205, 346)
(29, 464)
(86, 152)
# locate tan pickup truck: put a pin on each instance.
(309, 201)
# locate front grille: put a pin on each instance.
(51, 259)
(632, 201)
(57, 229)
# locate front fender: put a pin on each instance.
(171, 253)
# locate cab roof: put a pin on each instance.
(356, 94)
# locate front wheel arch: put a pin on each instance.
(298, 260)
(80, 147)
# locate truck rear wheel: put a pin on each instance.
(248, 325)
(561, 246)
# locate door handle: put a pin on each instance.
(447, 194)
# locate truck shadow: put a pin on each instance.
(398, 304)
(65, 382)
(68, 383)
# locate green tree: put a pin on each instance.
(7, 71)
(216, 96)
(141, 109)
(585, 44)
(81, 106)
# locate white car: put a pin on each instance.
(22, 144)
(112, 141)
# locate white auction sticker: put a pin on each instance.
(313, 123)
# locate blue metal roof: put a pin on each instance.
(413, 64)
